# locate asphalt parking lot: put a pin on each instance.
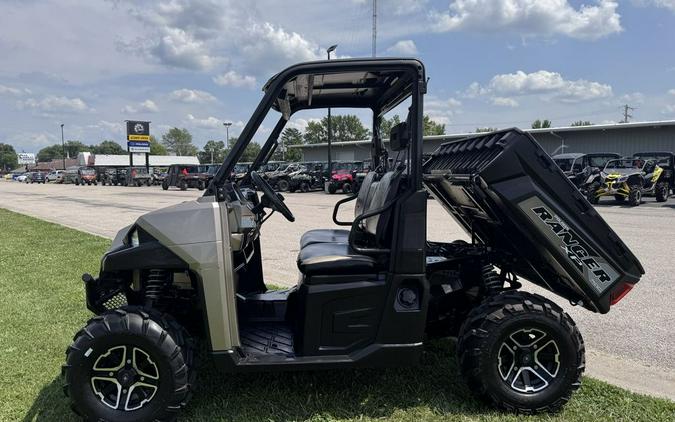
(631, 346)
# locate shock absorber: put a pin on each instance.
(492, 281)
(154, 286)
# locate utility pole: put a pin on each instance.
(374, 28)
(63, 148)
(626, 114)
(330, 132)
(227, 133)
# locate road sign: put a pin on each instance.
(138, 131)
(26, 158)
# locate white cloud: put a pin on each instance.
(441, 110)
(551, 85)
(54, 104)
(633, 98)
(669, 110)
(671, 91)
(504, 102)
(404, 48)
(191, 96)
(8, 90)
(208, 123)
(147, 106)
(667, 4)
(530, 17)
(234, 79)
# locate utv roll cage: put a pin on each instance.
(379, 85)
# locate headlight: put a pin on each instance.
(133, 238)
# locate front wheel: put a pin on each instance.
(283, 185)
(635, 195)
(521, 352)
(165, 185)
(129, 364)
(662, 192)
(347, 188)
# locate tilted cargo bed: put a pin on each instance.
(508, 194)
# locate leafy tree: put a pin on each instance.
(55, 151)
(582, 123)
(251, 152)
(315, 133)
(108, 147)
(290, 136)
(213, 151)
(8, 157)
(432, 128)
(387, 124)
(179, 142)
(344, 127)
(539, 124)
(485, 129)
(156, 148)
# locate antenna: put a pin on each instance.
(374, 28)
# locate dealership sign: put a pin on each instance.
(26, 158)
(138, 146)
(138, 131)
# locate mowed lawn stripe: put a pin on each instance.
(42, 306)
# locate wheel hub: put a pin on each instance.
(528, 360)
(125, 378)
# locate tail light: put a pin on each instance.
(620, 292)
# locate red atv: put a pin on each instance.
(344, 177)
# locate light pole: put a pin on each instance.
(330, 129)
(227, 133)
(63, 148)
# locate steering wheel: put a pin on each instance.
(276, 201)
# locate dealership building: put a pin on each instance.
(623, 138)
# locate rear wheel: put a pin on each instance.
(662, 192)
(201, 185)
(521, 352)
(635, 195)
(283, 185)
(129, 364)
(183, 185)
(591, 194)
(332, 189)
(304, 187)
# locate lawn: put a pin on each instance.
(42, 306)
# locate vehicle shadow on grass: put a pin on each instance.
(433, 388)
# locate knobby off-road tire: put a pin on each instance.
(283, 185)
(159, 353)
(165, 185)
(635, 195)
(507, 321)
(591, 196)
(662, 192)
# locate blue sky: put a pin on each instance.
(195, 64)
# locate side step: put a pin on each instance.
(267, 339)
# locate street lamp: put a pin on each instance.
(63, 147)
(330, 129)
(227, 133)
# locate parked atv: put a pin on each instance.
(628, 179)
(186, 176)
(344, 177)
(578, 167)
(309, 179)
(139, 176)
(371, 295)
(114, 177)
(281, 178)
(665, 160)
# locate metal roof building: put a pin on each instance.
(622, 138)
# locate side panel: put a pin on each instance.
(194, 231)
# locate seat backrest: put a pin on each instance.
(386, 190)
(365, 193)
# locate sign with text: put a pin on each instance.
(26, 158)
(138, 146)
(138, 131)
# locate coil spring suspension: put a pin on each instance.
(492, 281)
(155, 284)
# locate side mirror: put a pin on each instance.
(399, 137)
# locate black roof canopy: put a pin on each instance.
(362, 83)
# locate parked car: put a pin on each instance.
(578, 167)
(186, 176)
(629, 179)
(80, 175)
(665, 160)
(36, 177)
(343, 176)
(55, 176)
(21, 177)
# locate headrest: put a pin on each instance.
(399, 137)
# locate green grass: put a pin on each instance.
(42, 305)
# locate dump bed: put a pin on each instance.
(507, 193)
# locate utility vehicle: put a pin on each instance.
(369, 295)
(663, 159)
(344, 177)
(80, 175)
(311, 178)
(629, 179)
(186, 176)
(578, 167)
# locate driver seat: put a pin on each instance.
(340, 235)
